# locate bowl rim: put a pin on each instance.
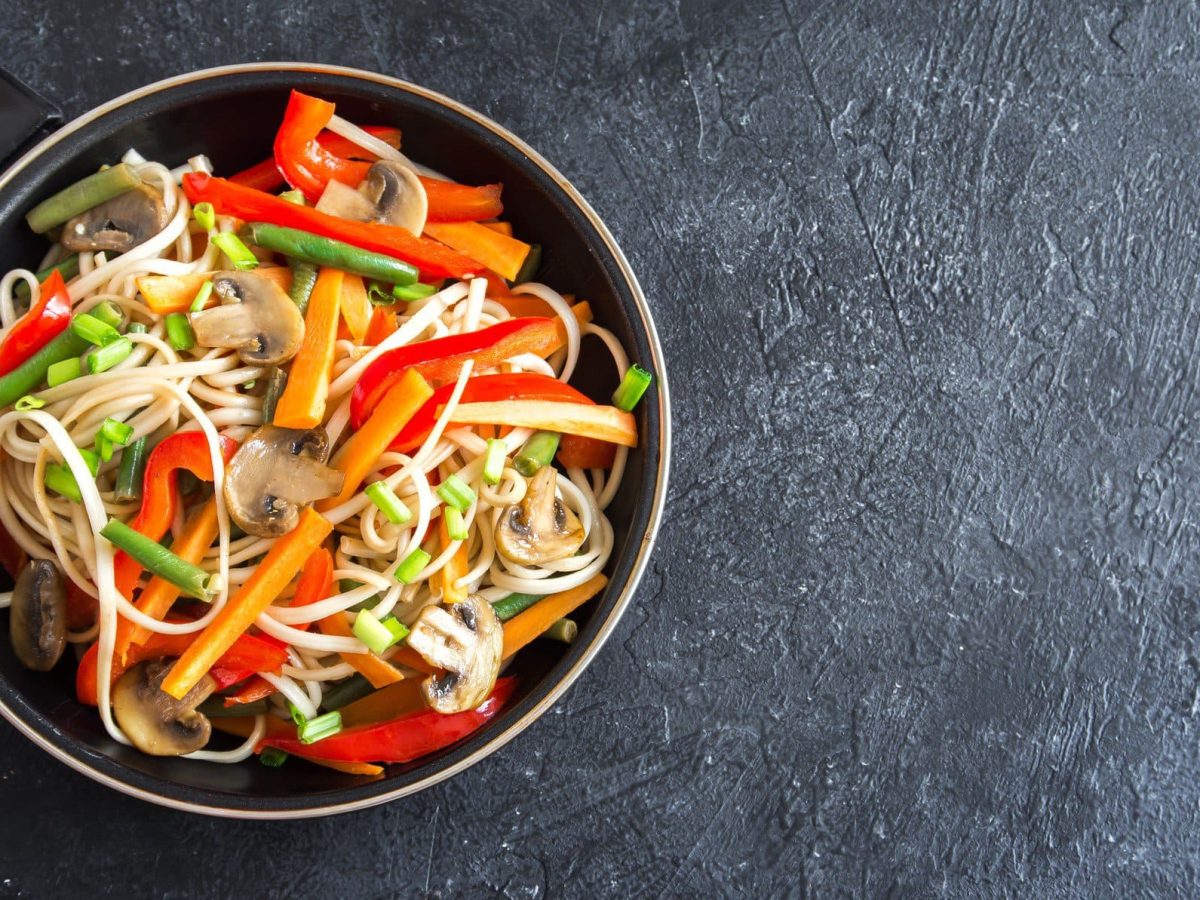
(658, 501)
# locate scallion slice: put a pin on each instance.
(205, 216)
(137, 328)
(631, 389)
(538, 451)
(116, 431)
(61, 480)
(104, 358)
(272, 757)
(201, 297)
(412, 565)
(62, 372)
(388, 503)
(368, 629)
(104, 447)
(456, 492)
(179, 332)
(239, 254)
(28, 402)
(131, 471)
(93, 330)
(109, 313)
(398, 629)
(410, 292)
(493, 461)
(456, 527)
(323, 726)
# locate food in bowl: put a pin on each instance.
(279, 450)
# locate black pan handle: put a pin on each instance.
(25, 117)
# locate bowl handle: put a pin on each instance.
(25, 117)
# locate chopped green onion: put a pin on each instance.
(92, 460)
(564, 630)
(493, 461)
(201, 297)
(189, 578)
(398, 629)
(93, 330)
(514, 603)
(354, 688)
(239, 254)
(104, 358)
(116, 431)
(304, 279)
(108, 313)
(104, 447)
(538, 451)
(179, 332)
(28, 402)
(368, 629)
(82, 196)
(205, 216)
(296, 197)
(410, 292)
(62, 372)
(61, 480)
(323, 726)
(132, 468)
(380, 294)
(297, 716)
(457, 493)
(456, 528)
(533, 260)
(412, 566)
(137, 328)
(632, 386)
(276, 382)
(388, 503)
(273, 757)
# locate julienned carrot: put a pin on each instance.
(356, 306)
(377, 671)
(174, 293)
(359, 454)
(285, 558)
(524, 627)
(455, 569)
(303, 402)
(500, 253)
(383, 323)
(197, 536)
(605, 423)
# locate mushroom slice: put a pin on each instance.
(345, 202)
(275, 473)
(255, 316)
(541, 528)
(398, 195)
(155, 721)
(119, 224)
(37, 622)
(466, 640)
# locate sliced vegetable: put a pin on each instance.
(93, 330)
(62, 372)
(452, 528)
(411, 566)
(154, 722)
(304, 279)
(383, 324)
(353, 688)
(285, 558)
(509, 606)
(388, 503)
(465, 640)
(456, 492)
(456, 530)
(395, 195)
(233, 247)
(319, 728)
(565, 630)
(37, 619)
(606, 423)
(117, 225)
(186, 576)
(631, 388)
(541, 528)
(104, 358)
(68, 269)
(44, 321)
(276, 382)
(579, 452)
(205, 216)
(265, 175)
(407, 293)
(202, 297)
(450, 202)
(179, 332)
(255, 316)
(531, 265)
(356, 307)
(174, 293)
(493, 461)
(368, 629)
(60, 479)
(538, 451)
(305, 164)
(131, 471)
(498, 252)
(371, 667)
(81, 196)
(524, 627)
(302, 404)
(325, 251)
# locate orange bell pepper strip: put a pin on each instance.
(303, 402)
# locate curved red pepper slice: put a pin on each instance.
(305, 164)
(441, 359)
(160, 494)
(265, 176)
(44, 321)
(402, 739)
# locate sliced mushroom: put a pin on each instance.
(119, 224)
(155, 721)
(275, 473)
(466, 640)
(398, 195)
(37, 623)
(255, 316)
(345, 202)
(541, 528)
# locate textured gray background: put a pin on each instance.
(923, 616)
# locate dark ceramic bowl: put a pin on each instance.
(230, 114)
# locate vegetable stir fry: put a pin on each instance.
(294, 455)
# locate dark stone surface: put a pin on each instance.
(923, 616)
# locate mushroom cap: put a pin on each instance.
(255, 316)
(37, 623)
(467, 641)
(398, 195)
(541, 528)
(275, 472)
(119, 224)
(152, 719)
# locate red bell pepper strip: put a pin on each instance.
(401, 739)
(265, 175)
(451, 202)
(257, 688)
(160, 494)
(45, 320)
(305, 164)
(433, 259)
(82, 608)
(441, 359)
(315, 583)
(485, 389)
(581, 452)
(248, 654)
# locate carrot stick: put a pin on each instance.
(197, 536)
(606, 423)
(366, 445)
(504, 228)
(524, 627)
(272, 575)
(455, 569)
(383, 323)
(377, 671)
(504, 255)
(356, 307)
(303, 402)
(175, 293)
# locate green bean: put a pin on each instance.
(354, 688)
(82, 196)
(304, 278)
(31, 373)
(533, 261)
(131, 471)
(564, 630)
(276, 382)
(508, 607)
(327, 252)
(189, 578)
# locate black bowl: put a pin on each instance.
(230, 115)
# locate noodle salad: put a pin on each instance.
(294, 454)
